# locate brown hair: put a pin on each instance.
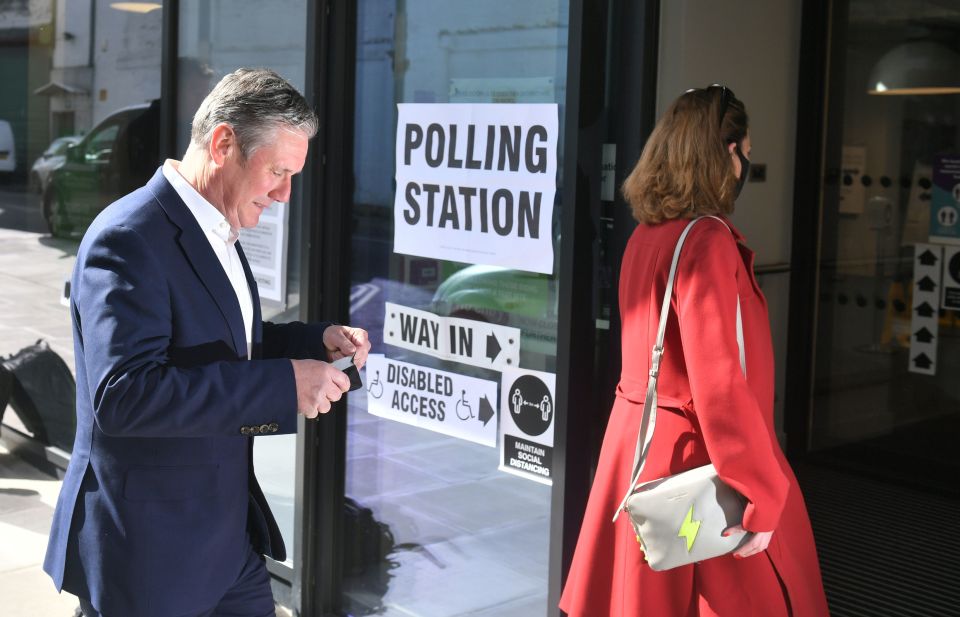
(685, 169)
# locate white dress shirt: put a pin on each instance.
(222, 239)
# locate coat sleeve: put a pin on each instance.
(731, 421)
(295, 340)
(123, 311)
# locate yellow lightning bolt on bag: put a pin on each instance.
(689, 529)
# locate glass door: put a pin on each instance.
(886, 396)
(215, 38)
(454, 273)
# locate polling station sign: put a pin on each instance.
(435, 400)
(476, 183)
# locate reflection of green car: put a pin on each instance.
(524, 300)
(118, 155)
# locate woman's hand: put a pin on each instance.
(757, 543)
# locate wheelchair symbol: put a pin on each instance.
(464, 411)
(375, 389)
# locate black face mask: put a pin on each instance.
(744, 171)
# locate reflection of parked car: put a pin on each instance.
(8, 155)
(117, 156)
(524, 300)
(52, 157)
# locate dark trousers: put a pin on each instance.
(250, 595)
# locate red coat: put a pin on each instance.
(708, 412)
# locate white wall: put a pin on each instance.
(73, 19)
(752, 47)
(126, 58)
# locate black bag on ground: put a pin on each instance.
(368, 541)
(43, 394)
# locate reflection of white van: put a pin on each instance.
(8, 157)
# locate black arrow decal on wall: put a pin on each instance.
(922, 361)
(926, 284)
(927, 258)
(925, 310)
(923, 335)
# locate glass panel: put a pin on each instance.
(216, 38)
(78, 128)
(433, 527)
(887, 333)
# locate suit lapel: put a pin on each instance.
(200, 254)
(257, 335)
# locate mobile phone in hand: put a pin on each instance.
(346, 365)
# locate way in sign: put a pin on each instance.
(467, 341)
(428, 334)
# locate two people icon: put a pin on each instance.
(517, 402)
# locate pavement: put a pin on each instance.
(33, 267)
(27, 499)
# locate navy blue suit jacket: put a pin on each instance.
(160, 498)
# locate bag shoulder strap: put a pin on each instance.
(649, 419)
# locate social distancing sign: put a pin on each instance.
(951, 278)
(431, 399)
(527, 413)
(467, 341)
(476, 183)
(945, 200)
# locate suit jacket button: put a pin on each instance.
(264, 429)
(244, 430)
(274, 427)
(254, 430)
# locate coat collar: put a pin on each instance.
(197, 248)
(737, 235)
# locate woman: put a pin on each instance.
(694, 164)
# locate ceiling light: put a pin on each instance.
(136, 7)
(919, 67)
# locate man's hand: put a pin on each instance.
(319, 385)
(341, 341)
(757, 543)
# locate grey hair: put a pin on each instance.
(254, 102)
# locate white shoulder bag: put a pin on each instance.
(679, 519)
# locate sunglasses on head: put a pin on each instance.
(726, 95)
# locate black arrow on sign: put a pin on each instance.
(926, 284)
(493, 347)
(486, 410)
(927, 258)
(922, 361)
(923, 335)
(925, 310)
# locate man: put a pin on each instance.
(160, 513)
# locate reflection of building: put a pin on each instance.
(103, 59)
